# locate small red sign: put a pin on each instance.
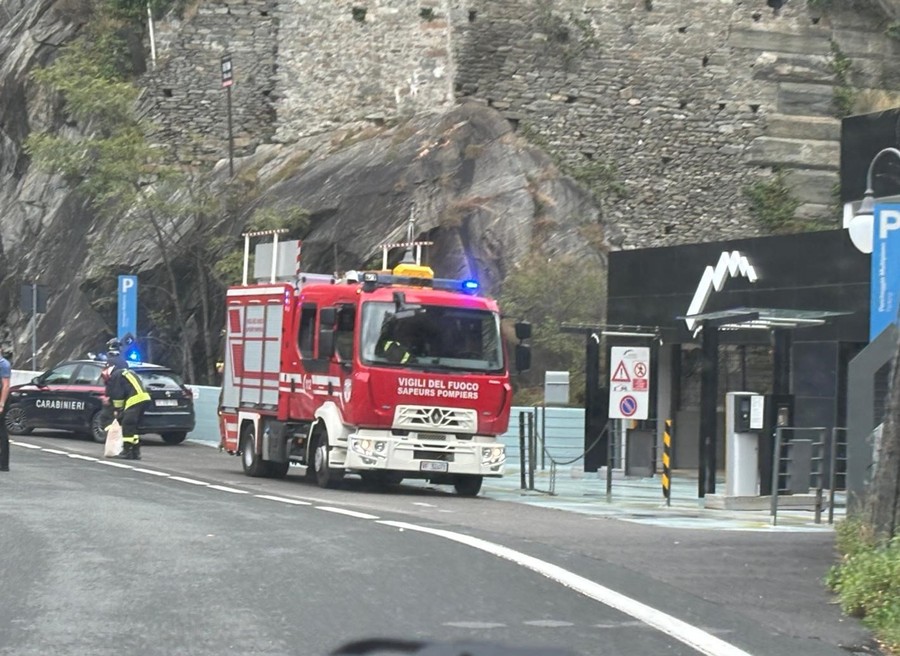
(640, 384)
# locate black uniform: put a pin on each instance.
(129, 399)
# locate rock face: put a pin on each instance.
(481, 193)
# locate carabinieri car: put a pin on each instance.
(72, 397)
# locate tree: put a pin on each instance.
(109, 157)
(550, 291)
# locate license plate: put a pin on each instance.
(166, 402)
(433, 466)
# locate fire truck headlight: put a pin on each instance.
(369, 448)
(491, 454)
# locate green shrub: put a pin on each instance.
(867, 580)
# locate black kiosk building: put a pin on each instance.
(780, 316)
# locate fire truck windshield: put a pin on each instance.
(431, 337)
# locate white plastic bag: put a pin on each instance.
(113, 440)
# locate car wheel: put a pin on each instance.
(468, 486)
(176, 437)
(98, 430)
(325, 475)
(252, 463)
(16, 421)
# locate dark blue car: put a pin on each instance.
(72, 397)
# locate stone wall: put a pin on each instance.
(347, 60)
(692, 101)
(183, 94)
(676, 107)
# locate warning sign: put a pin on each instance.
(629, 388)
(620, 375)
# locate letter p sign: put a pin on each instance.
(890, 220)
(127, 314)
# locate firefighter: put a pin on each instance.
(129, 399)
(397, 347)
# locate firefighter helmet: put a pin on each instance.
(114, 346)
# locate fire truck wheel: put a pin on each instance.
(468, 486)
(325, 475)
(253, 464)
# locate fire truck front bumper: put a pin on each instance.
(480, 456)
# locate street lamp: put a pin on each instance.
(862, 225)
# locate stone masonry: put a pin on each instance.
(685, 103)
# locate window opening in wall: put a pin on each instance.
(263, 13)
(648, 5)
(756, 16)
(359, 14)
(754, 108)
(682, 29)
(665, 159)
(775, 4)
(472, 15)
(427, 13)
(514, 124)
(167, 93)
(705, 61)
(815, 19)
(682, 104)
(669, 229)
(721, 106)
(571, 99)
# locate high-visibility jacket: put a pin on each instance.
(395, 352)
(124, 389)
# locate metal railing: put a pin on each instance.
(827, 464)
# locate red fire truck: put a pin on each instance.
(389, 374)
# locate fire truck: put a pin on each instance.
(388, 374)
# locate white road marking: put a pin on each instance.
(693, 637)
(294, 502)
(423, 504)
(78, 456)
(56, 452)
(187, 480)
(344, 511)
(26, 445)
(475, 625)
(120, 465)
(548, 624)
(152, 472)
(228, 489)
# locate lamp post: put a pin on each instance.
(862, 225)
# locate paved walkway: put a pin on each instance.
(640, 500)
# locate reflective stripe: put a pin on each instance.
(139, 395)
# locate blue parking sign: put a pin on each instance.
(128, 287)
(885, 281)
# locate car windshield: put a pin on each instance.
(431, 336)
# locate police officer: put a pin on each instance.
(129, 399)
(114, 354)
(5, 373)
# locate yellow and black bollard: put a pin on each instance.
(667, 463)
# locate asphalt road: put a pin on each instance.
(186, 555)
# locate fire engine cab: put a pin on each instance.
(388, 374)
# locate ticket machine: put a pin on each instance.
(744, 420)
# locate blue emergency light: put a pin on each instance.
(470, 285)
